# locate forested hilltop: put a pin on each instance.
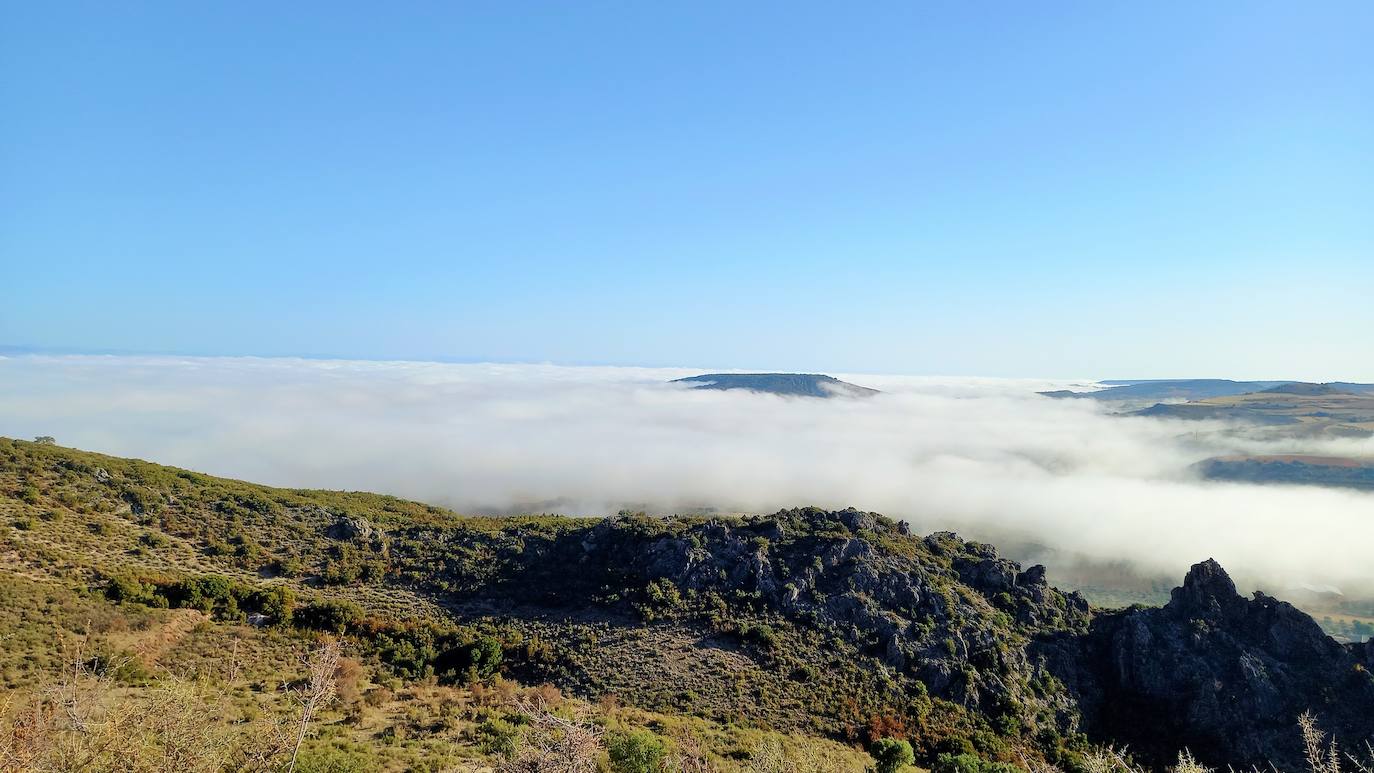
(182, 609)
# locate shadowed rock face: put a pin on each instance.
(1219, 674)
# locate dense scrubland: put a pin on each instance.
(156, 618)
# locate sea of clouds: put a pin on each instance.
(987, 457)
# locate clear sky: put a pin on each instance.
(1103, 189)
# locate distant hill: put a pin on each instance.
(1310, 390)
(1293, 469)
(1294, 410)
(1181, 389)
(1188, 390)
(1288, 411)
(793, 384)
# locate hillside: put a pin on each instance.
(1308, 389)
(787, 384)
(807, 631)
(1185, 390)
(1292, 469)
(1167, 390)
(1293, 411)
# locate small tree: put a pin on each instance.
(45, 440)
(277, 603)
(482, 658)
(892, 754)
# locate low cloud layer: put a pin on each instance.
(987, 457)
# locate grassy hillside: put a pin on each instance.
(98, 558)
(183, 610)
(413, 588)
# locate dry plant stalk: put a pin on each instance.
(318, 693)
(82, 723)
(1365, 765)
(553, 744)
(690, 757)
(1188, 764)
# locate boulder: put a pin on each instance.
(352, 528)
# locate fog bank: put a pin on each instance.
(980, 456)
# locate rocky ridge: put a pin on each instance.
(1214, 672)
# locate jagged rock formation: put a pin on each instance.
(1219, 674)
(946, 617)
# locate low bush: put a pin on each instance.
(892, 754)
(636, 751)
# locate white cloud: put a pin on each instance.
(983, 456)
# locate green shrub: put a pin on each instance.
(218, 547)
(497, 736)
(479, 659)
(762, 635)
(329, 615)
(208, 593)
(955, 745)
(970, 763)
(130, 590)
(347, 566)
(664, 594)
(332, 759)
(638, 751)
(290, 566)
(124, 669)
(278, 603)
(892, 754)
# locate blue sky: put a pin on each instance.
(984, 188)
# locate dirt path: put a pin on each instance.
(157, 642)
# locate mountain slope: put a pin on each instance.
(811, 622)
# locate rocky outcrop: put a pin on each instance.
(1222, 675)
(1219, 674)
(944, 611)
(354, 529)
